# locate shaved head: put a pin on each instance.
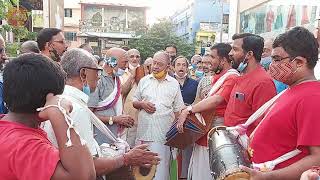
(162, 56)
(29, 46)
(120, 55)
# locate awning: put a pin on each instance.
(107, 35)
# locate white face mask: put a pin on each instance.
(132, 67)
(185, 75)
(120, 72)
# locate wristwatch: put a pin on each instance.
(110, 120)
(189, 108)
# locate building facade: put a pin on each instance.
(200, 22)
(269, 18)
(104, 25)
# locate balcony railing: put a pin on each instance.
(106, 27)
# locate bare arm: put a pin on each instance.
(291, 172)
(137, 104)
(209, 103)
(106, 165)
(75, 161)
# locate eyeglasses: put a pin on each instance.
(99, 71)
(277, 58)
(135, 56)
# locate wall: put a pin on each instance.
(188, 20)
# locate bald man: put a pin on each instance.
(29, 47)
(159, 101)
(106, 100)
(266, 55)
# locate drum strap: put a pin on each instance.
(221, 80)
(240, 132)
(269, 165)
(241, 129)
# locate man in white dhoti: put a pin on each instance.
(159, 101)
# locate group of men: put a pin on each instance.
(46, 135)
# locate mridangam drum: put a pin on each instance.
(225, 155)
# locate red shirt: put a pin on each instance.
(224, 92)
(293, 122)
(26, 153)
(249, 93)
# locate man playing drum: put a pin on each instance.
(292, 123)
(217, 101)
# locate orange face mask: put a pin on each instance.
(160, 74)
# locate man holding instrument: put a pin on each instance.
(223, 80)
(286, 142)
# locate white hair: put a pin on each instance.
(75, 59)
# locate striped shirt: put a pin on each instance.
(166, 96)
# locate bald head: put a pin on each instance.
(29, 46)
(120, 55)
(162, 56)
(195, 59)
(267, 49)
(133, 56)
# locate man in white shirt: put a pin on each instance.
(159, 101)
(83, 73)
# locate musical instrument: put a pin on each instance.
(195, 126)
(142, 173)
(225, 155)
(123, 173)
(140, 73)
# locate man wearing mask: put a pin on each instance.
(254, 87)
(159, 101)
(205, 82)
(266, 55)
(217, 101)
(195, 60)
(106, 101)
(188, 89)
(266, 61)
(82, 71)
(52, 43)
(129, 86)
(172, 51)
(291, 125)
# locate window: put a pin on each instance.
(226, 19)
(67, 12)
(70, 36)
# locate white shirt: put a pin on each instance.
(166, 96)
(81, 119)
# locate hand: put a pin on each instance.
(124, 120)
(50, 112)
(133, 72)
(182, 118)
(141, 156)
(309, 175)
(254, 174)
(148, 107)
